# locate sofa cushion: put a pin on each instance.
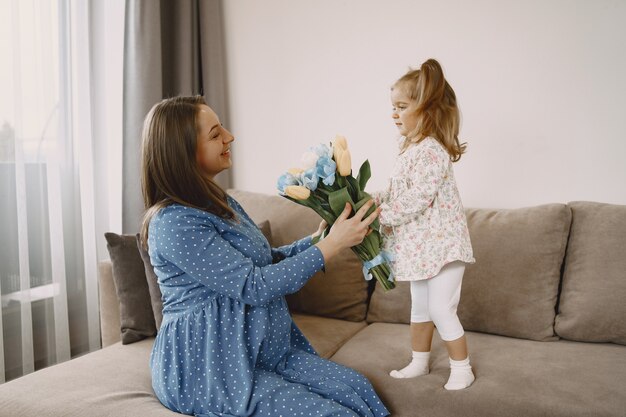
(111, 382)
(136, 316)
(266, 229)
(592, 306)
(393, 306)
(109, 305)
(513, 377)
(152, 280)
(512, 288)
(341, 291)
(325, 334)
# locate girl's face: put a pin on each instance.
(404, 112)
(213, 143)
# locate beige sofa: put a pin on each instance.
(543, 308)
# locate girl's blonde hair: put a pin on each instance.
(169, 171)
(437, 111)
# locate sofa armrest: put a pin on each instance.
(109, 305)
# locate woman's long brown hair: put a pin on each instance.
(437, 111)
(169, 171)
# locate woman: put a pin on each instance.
(227, 345)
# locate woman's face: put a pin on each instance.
(213, 143)
(404, 112)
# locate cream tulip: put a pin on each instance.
(344, 163)
(341, 142)
(297, 192)
(295, 171)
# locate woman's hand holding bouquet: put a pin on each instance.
(326, 185)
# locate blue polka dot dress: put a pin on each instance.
(227, 345)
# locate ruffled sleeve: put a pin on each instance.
(380, 196)
(425, 169)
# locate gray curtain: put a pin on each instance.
(170, 48)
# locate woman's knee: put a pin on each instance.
(346, 412)
(353, 380)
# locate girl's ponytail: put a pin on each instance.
(437, 111)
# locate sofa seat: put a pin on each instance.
(326, 334)
(115, 381)
(111, 382)
(558, 378)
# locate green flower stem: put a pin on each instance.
(323, 213)
(380, 272)
(369, 245)
(382, 277)
(312, 204)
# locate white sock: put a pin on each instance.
(461, 375)
(417, 367)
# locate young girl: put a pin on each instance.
(422, 218)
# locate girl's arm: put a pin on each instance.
(427, 172)
(380, 196)
(192, 243)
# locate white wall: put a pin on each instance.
(540, 84)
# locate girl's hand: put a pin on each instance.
(346, 233)
(386, 230)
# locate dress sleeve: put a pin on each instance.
(295, 248)
(299, 340)
(282, 252)
(426, 172)
(193, 244)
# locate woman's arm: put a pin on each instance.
(295, 248)
(192, 243)
(298, 246)
(280, 252)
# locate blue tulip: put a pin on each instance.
(323, 151)
(325, 169)
(310, 178)
(285, 180)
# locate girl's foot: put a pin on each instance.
(417, 367)
(461, 375)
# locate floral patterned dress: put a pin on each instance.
(422, 221)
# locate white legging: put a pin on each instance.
(437, 298)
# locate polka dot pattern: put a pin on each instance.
(227, 345)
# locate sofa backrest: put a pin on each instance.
(512, 289)
(592, 306)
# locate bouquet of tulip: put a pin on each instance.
(325, 184)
